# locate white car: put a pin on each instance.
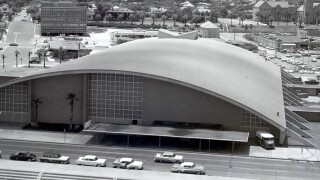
(314, 60)
(168, 157)
(127, 163)
(91, 160)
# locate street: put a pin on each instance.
(217, 165)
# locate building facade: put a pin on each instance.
(63, 18)
(184, 82)
(278, 10)
(309, 12)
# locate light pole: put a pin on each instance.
(16, 54)
(29, 54)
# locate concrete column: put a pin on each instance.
(282, 136)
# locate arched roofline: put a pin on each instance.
(88, 71)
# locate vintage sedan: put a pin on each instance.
(23, 156)
(188, 167)
(127, 163)
(54, 158)
(91, 160)
(168, 157)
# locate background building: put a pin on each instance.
(63, 17)
(279, 10)
(309, 12)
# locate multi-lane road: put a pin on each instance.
(215, 164)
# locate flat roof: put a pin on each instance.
(305, 86)
(303, 109)
(234, 136)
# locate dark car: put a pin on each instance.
(23, 156)
(54, 158)
(13, 44)
(312, 82)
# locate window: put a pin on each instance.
(115, 96)
(250, 120)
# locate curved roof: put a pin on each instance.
(216, 68)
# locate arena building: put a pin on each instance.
(186, 85)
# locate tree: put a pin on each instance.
(142, 17)
(246, 27)
(278, 16)
(214, 17)
(97, 17)
(300, 21)
(71, 97)
(242, 18)
(120, 17)
(307, 17)
(258, 14)
(185, 20)
(153, 16)
(1, 15)
(174, 18)
(3, 57)
(231, 16)
(36, 103)
(132, 18)
(16, 53)
(196, 19)
(32, 10)
(109, 17)
(29, 54)
(270, 19)
(10, 16)
(163, 18)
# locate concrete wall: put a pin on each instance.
(53, 91)
(170, 102)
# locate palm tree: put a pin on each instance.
(196, 19)
(231, 17)
(153, 16)
(16, 53)
(142, 17)
(60, 53)
(185, 20)
(3, 56)
(36, 102)
(163, 17)
(300, 21)
(278, 16)
(29, 54)
(174, 18)
(71, 97)
(242, 18)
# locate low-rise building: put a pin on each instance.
(115, 12)
(209, 30)
(67, 49)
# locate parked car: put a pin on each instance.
(314, 60)
(168, 157)
(188, 167)
(23, 156)
(91, 160)
(312, 82)
(127, 163)
(13, 44)
(1, 48)
(54, 158)
(35, 60)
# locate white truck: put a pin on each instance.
(91, 160)
(265, 139)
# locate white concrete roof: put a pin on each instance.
(216, 68)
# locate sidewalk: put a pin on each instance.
(291, 153)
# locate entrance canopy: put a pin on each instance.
(232, 136)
